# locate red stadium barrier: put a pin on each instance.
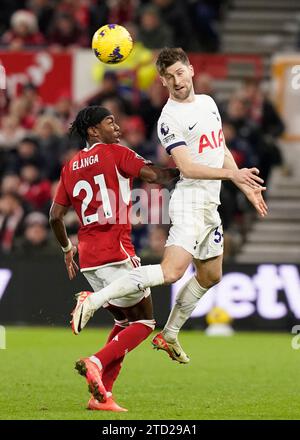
(67, 74)
(51, 73)
(222, 66)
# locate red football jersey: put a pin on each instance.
(97, 182)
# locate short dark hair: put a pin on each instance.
(169, 56)
(88, 117)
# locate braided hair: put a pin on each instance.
(87, 117)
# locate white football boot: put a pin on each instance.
(83, 311)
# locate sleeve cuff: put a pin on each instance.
(177, 144)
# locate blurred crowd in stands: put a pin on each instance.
(59, 24)
(34, 141)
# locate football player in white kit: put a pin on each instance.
(190, 129)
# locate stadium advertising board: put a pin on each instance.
(262, 296)
(265, 296)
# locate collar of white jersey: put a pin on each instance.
(175, 103)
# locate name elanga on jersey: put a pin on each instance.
(85, 162)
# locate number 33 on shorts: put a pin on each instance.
(218, 235)
(215, 246)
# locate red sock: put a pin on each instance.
(112, 371)
(123, 343)
(115, 330)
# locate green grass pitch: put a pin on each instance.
(247, 376)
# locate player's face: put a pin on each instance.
(179, 82)
(108, 131)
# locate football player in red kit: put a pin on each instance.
(97, 182)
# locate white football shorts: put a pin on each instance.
(198, 230)
(101, 277)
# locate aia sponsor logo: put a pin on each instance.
(211, 140)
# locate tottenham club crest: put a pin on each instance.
(164, 129)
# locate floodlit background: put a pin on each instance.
(246, 55)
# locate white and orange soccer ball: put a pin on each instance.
(112, 44)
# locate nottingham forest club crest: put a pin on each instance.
(164, 129)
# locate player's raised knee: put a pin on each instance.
(210, 280)
(171, 275)
(215, 278)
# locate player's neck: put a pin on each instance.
(92, 141)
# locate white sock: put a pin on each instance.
(96, 361)
(186, 301)
(137, 279)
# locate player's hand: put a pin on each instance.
(71, 265)
(256, 199)
(247, 176)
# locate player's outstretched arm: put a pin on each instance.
(154, 174)
(192, 170)
(56, 216)
(254, 195)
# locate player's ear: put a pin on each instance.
(91, 131)
(192, 70)
(164, 83)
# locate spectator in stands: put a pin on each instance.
(134, 134)
(174, 13)
(20, 107)
(236, 114)
(31, 96)
(50, 136)
(240, 148)
(108, 89)
(11, 132)
(75, 8)
(11, 216)
(8, 7)
(205, 15)
(153, 33)
(64, 111)
(121, 11)
(27, 152)
(35, 189)
(244, 156)
(98, 16)
(112, 90)
(36, 240)
(151, 106)
(204, 85)
(10, 183)
(65, 32)
(23, 31)
(261, 109)
(43, 10)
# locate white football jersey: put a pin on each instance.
(197, 125)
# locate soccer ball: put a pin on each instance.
(112, 43)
